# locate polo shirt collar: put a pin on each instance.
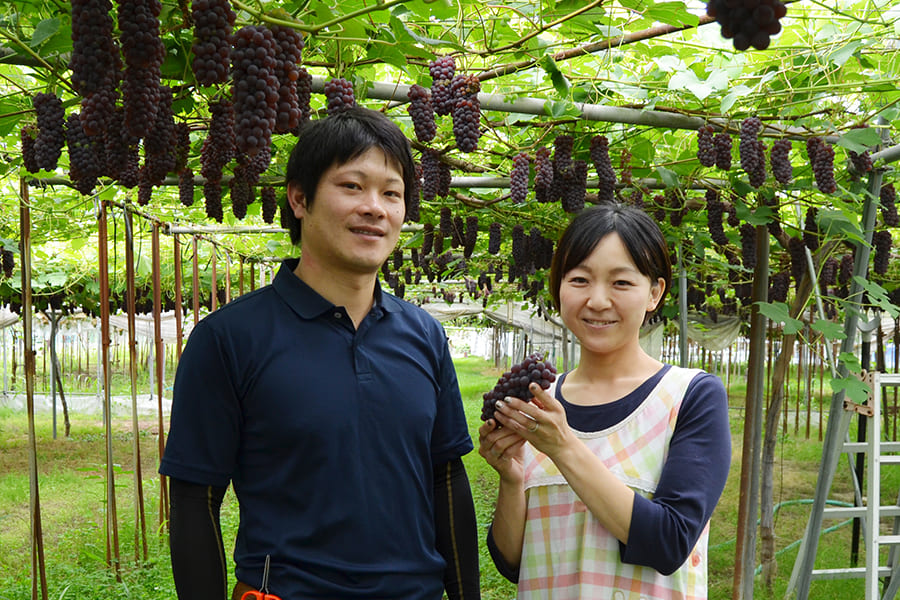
(308, 303)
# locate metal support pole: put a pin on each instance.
(160, 359)
(179, 311)
(838, 422)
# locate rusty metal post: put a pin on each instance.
(214, 282)
(140, 529)
(38, 569)
(160, 360)
(252, 276)
(179, 313)
(196, 282)
(112, 525)
(241, 276)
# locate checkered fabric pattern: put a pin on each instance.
(567, 554)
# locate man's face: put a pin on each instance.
(355, 220)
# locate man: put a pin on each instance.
(331, 406)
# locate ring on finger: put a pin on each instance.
(534, 427)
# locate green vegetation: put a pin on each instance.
(73, 508)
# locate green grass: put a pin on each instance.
(73, 508)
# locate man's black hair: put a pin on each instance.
(336, 140)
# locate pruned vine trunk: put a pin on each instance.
(54, 365)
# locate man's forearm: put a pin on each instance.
(195, 541)
(456, 531)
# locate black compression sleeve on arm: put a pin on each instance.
(456, 530)
(195, 541)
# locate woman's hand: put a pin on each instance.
(541, 421)
(502, 448)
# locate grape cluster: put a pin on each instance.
(845, 270)
(445, 221)
(774, 224)
(182, 146)
(714, 212)
(26, 141)
(219, 146)
(515, 382)
(288, 53)
(748, 22)
(269, 203)
(823, 169)
(723, 144)
(781, 162)
(471, 236)
(254, 88)
(145, 191)
(829, 272)
(427, 239)
(706, 147)
(606, 183)
(494, 238)
(186, 187)
(677, 206)
(748, 246)
(797, 251)
(625, 166)
(442, 71)
(84, 163)
(811, 229)
(518, 179)
(881, 239)
(240, 192)
(421, 112)
(213, 26)
(466, 112)
(160, 142)
(821, 159)
(457, 232)
(862, 163)
(752, 151)
(304, 93)
(123, 150)
(51, 137)
(95, 62)
(144, 53)
(520, 253)
(574, 187)
(563, 145)
(7, 261)
(888, 199)
(339, 96)
(779, 286)
(212, 196)
(543, 174)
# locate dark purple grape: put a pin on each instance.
(515, 382)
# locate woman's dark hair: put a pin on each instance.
(336, 140)
(639, 233)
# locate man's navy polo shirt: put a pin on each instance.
(328, 434)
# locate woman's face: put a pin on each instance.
(604, 300)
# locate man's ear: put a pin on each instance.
(296, 200)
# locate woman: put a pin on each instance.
(608, 479)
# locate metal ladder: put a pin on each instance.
(880, 454)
